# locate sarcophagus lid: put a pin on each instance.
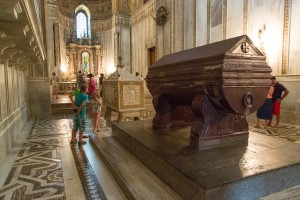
(232, 73)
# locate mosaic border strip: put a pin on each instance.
(90, 184)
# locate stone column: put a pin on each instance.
(51, 17)
(121, 30)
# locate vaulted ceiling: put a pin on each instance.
(100, 9)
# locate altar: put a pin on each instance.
(82, 55)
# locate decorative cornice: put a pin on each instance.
(121, 20)
(35, 26)
(144, 12)
(245, 16)
(286, 35)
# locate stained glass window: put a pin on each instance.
(81, 23)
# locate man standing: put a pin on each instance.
(277, 98)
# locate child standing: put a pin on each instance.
(79, 118)
(96, 104)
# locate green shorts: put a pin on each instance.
(79, 122)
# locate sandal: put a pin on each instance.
(81, 143)
(73, 142)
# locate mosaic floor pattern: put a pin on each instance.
(37, 172)
(91, 186)
(285, 131)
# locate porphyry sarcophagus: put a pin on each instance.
(212, 88)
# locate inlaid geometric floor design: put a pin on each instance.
(285, 131)
(92, 188)
(37, 171)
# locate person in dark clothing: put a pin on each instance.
(101, 78)
(277, 98)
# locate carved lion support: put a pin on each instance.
(214, 127)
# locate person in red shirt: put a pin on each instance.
(277, 98)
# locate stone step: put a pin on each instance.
(136, 180)
(263, 164)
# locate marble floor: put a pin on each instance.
(43, 165)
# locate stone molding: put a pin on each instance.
(121, 20)
(144, 12)
(36, 27)
(21, 34)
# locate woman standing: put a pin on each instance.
(266, 110)
(92, 86)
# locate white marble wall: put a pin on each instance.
(13, 106)
(216, 25)
(189, 21)
(106, 38)
(268, 14)
(234, 18)
(290, 107)
(201, 22)
(143, 37)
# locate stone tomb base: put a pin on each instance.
(246, 171)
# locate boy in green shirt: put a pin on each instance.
(79, 118)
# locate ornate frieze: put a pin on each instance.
(122, 20)
(102, 25)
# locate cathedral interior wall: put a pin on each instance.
(14, 106)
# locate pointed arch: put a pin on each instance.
(83, 21)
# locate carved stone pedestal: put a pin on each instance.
(124, 94)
